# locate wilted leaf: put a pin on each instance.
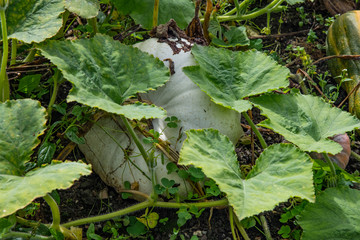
(228, 77)
(18, 191)
(21, 122)
(34, 20)
(282, 171)
(106, 73)
(83, 8)
(142, 11)
(305, 120)
(334, 215)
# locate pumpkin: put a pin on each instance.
(343, 39)
(180, 97)
(342, 158)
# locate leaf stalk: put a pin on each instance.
(4, 83)
(54, 211)
(256, 131)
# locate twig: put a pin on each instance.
(312, 81)
(348, 57)
(282, 34)
(351, 92)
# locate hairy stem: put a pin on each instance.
(144, 205)
(256, 131)
(4, 83)
(265, 227)
(54, 211)
(241, 228)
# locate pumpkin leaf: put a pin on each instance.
(235, 37)
(228, 77)
(18, 191)
(21, 122)
(305, 120)
(83, 8)
(334, 215)
(34, 20)
(142, 11)
(282, 171)
(105, 73)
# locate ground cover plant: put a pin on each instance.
(168, 123)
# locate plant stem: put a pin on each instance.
(31, 56)
(26, 222)
(265, 227)
(237, 7)
(4, 83)
(24, 235)
(100, 218)
(355, 155)
(255, 14)
(143, 205)
(241, 228)
(57, 76)
(217, 203)
(155, 13)
(54, 210)
(135, 138)
(13, 52)
(333, 181)
(256, 131)
(93, 24)
(231, 219)
(124, 151)
(234, 10)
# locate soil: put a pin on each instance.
(90, 196)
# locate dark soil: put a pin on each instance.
(90, 196)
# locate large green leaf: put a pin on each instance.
(18, 191)
(83, 8)
(228, 76)
(34, 20)
(141, 11)
(106, 73)
(334, 215)
(305, 120)
(282, 171)
(21, 122)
